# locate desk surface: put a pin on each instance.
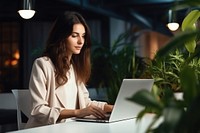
(126, 126)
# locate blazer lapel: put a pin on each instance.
(81, 100)
(60, 93)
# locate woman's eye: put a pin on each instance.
(73, 35)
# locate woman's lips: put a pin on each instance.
(78, 47)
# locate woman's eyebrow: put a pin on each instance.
(74, 32)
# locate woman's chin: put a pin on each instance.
(77, 52)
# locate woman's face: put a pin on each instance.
(76, 40)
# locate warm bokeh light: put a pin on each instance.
(16, 55)
(7, 63)
(14, 62)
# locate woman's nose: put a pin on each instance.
(80, 40)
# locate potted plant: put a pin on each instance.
(178, 115)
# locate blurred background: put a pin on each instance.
(22, 40)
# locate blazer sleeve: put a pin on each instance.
(41, 111)
(84, 95)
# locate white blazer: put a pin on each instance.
(48, 100)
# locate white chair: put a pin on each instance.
(7, 101)
(23, 100)
(8, 113)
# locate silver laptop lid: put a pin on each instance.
(124, 109)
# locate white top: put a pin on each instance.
(71, 90)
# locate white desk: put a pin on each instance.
(127, 126)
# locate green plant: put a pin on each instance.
(166, 72)
(178, 115)
(110, 65)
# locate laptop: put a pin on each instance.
(124, 109)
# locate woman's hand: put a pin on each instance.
(90, 110)
(108, 108)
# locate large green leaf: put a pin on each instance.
(189, 24)
(172, 116)
(190, 20)
(176, 42)
(147, 99)
(190, 118)
(188, 83)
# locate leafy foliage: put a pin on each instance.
(112, 64)
(174, 66)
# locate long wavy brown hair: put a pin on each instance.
(56, 49)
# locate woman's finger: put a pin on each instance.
(98, 112)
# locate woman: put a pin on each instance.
(58, 78)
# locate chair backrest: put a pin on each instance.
(7, 101)
(23, 101)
